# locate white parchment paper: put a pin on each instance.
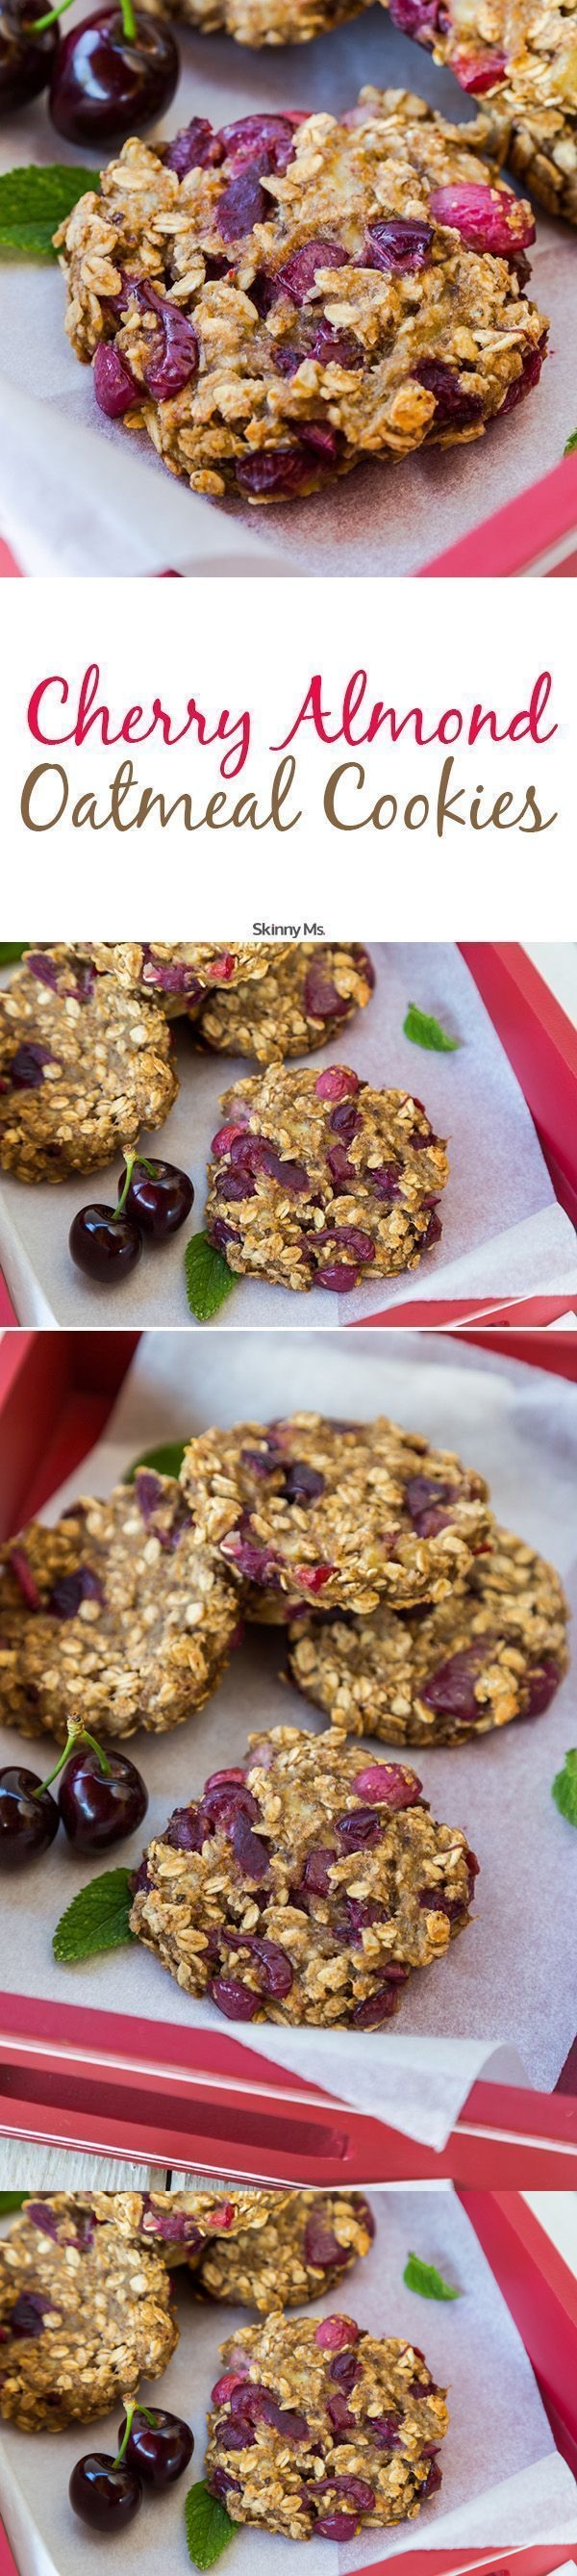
(78, 496)
(502, 2477)
(503, 1231)
(509, 1981)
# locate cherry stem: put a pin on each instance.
(77, 1735)
(129, 2408)
(36, 26)
(130, 1160)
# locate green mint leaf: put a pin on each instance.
(97, 1919)
(11, 951)
(11, 2200)
(423, 2278)
(33, 201)
(208, 1278)
(208, 2526)
(564, 1789)
(427, 1032)
(570, 444)
(167, 1460)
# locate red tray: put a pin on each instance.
(541, 2294)
(541, 1044)
(155, 2094)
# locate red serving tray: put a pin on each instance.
(541, 1044)
(114, 2083)
(541, 2294)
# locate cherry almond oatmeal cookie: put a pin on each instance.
(84, 2313)
(182, 975)
(305, 997)
(303, 2248)
(120, 1614)
(84, 1066)
(275, 302)
(521, 57)
(495, 1650)
(305, 1889)
(318, 1180)
(323, 2430)
(181, 2225)
(339, 1513)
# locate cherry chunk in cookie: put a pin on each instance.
(323, 1515)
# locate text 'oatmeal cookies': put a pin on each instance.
(495, 1650)
(119, 1614)
(323, 2430)
(306, 1512)
(320, 1181)
(306, 1888)
(273, 303)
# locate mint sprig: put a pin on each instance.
(34, 200)
(11, 2200)
(427, 1032)
(428, 2283)
(11, 950)
(208, 2526)
(166, 1460)
(570, 444)
(97, 1919)
(564, 1789)
(208, 1278)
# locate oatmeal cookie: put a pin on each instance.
(265, 22)
(343, 1514)
(320, 1181)
(120, 1614)
(521, 58)
(304, 2248)
(495, 1650)
(181, 2225)
(323, 2430)
(305, 998)
(278, 301)
(181, 975)
(85, 2313)
(307, 1889)
(84, 1066)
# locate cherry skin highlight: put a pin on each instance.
(28, 1823)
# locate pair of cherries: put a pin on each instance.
(153, 1200)
(153, 2449)
(101, 1798)
(115, 73)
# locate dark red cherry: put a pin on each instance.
(104, 2492)
(159, 2445)
(159, 1197)
(25, 59)
(104, 1245)
(107, 83)
(27, 1824)
(98, 1807)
